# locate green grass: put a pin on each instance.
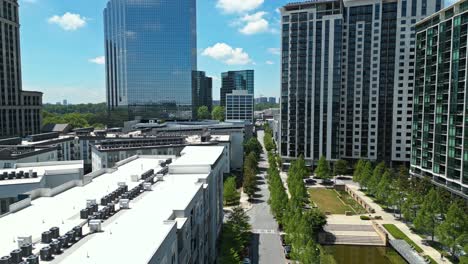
(327, 201)
(397, 234)
(351, 202)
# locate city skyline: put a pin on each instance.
(245, 36)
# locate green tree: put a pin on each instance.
(234, 236)
(218, 113)
(427, 218)
(231, 196)
(340, 168)
(366, 175)
(454, 230)
(383, 188)
(252, 145)
(379, 170)
(358, 168)
(203, 113)
(323, 169)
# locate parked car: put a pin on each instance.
(310, 181)
(287, 251)
(246, 261)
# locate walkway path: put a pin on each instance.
(266, 243)
(388, 218)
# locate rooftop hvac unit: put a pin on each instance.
(33, 259)
(24, 240)
(124, 204)
(121, 184)
(45, 253)
(34, 174)
(90, 202)
(26, 250)
(160, 177)
(135, 178)
(147, 186)
(78, 231)
(84, 214)
(95, 226)
(64, 240)
(71, 237)
(55, 247)
(16, 256)
(46, 237)
(5, 260)
(55, 232)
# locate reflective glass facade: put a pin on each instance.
(236, 80)
(440, 120)
(150, 57)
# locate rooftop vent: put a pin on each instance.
(95, 226)
(124, 204)
(24, 240)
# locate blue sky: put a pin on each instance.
(62, 45)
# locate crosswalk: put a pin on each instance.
(264, 231)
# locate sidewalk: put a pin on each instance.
(388, 218)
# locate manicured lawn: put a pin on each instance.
(351, 202)
(327, 201)
(397, 234)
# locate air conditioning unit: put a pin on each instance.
(147, 186)
(90, 202)
(135, 178)
(22, 240)
(160, 177)
(95, 226)
(124, 204)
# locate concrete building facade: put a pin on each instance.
(20, 111)
(240, 106)
(348, 71)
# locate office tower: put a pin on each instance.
(20, 111)
(240, 106)
(202, 91)
(366, 111)
(311, 80)
(272, 100)
(151, 53)
(439, 147)
(236, 80)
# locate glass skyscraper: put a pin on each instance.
(151, 53)
(236, 80)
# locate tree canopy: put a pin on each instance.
(203, 113)
(218, 113)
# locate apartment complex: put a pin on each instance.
(20, 111)
(347, 79)
(151, 54)
(439, 146)
(162, 209)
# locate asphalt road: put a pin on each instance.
(266, 245)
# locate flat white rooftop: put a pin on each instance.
(45, 168)
(199, 155)
(63, 210)
(130, 236)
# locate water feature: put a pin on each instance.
(362, 255)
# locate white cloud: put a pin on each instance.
(227, 54)
(274, 51)
(269, 62)
(238, 6)
(101, 60)
(254, 24)
(68, 21)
